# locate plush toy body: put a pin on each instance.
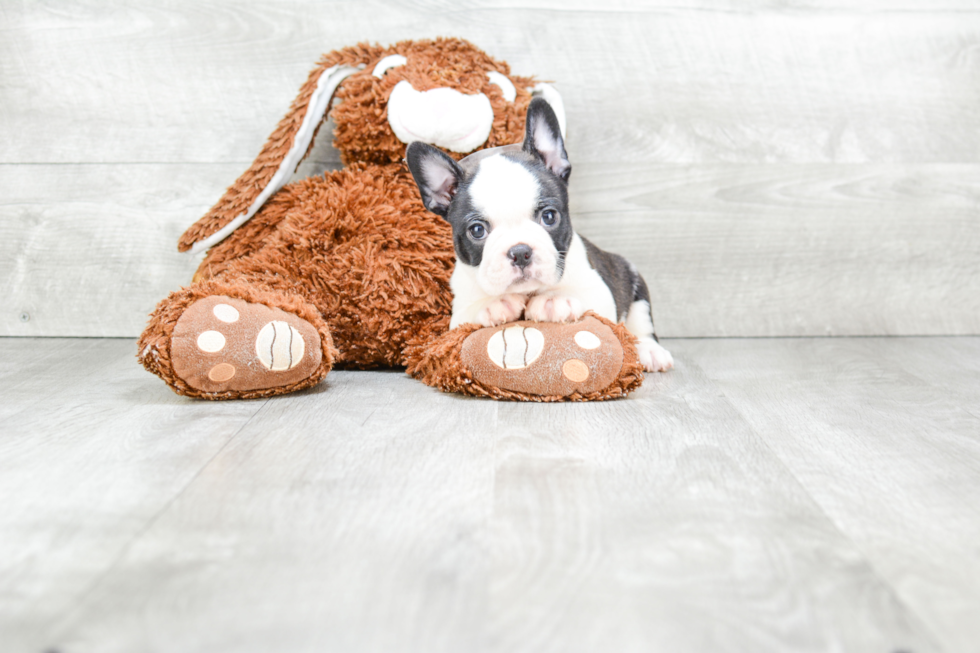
(350, 268)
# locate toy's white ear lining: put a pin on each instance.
(391, 61)
(553, 97)
(506, 86)
(319, 103)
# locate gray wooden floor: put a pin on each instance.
(767, 495)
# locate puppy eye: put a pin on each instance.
(478, 231)
(391, 61)
(549, 217)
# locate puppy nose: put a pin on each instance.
(520, 255)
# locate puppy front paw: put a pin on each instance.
(545, 308)
(654, 357)
(503, 309)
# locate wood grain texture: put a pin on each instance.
(819, 249)
(182, 81)
(373, 513)
(665, 524)
(773, 168)
(893, 459)
(26, 369)
(349, 518)
(92, 451)
(728, 250)
(952, 366)
(20, 361)
(89, 250)
(732, 6)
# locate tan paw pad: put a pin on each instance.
(575, 370)
(221, 372)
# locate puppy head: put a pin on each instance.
(508, 209)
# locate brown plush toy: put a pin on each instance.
(349, 268)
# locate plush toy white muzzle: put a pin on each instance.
(443, 117)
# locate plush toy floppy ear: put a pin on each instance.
(288, 144)
(436, 174)
(279, 158)
(542, 137)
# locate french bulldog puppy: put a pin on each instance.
(516, 251)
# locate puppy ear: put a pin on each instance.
(436, 174)
(542, 136)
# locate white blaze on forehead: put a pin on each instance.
(504, 191)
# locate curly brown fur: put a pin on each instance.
(362, 133)
(359, 246)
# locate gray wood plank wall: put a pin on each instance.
(773, 168)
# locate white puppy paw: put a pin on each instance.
(501, 310)
(654, 357)
(545, 308)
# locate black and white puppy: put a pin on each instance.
(516, 251)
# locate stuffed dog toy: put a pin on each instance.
(349, 268)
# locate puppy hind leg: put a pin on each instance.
(639, 322)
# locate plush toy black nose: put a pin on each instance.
(520, 255)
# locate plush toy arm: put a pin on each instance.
(282, 152)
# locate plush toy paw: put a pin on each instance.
(222, 344)
(549, 360)
(653, 356)
(546, 308)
